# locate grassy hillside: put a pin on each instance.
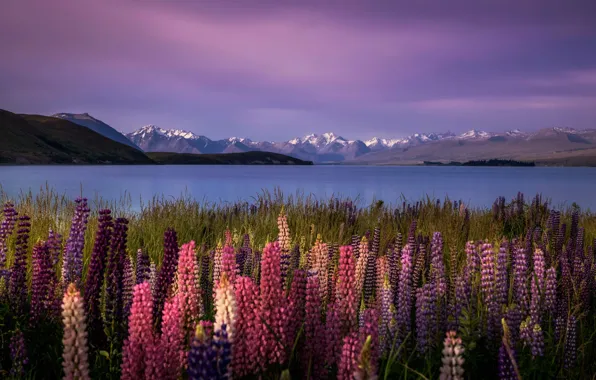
(34, 139)
(246, 158)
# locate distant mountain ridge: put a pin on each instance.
(332, 148)
(86, 120)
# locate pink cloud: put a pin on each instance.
(504, 103)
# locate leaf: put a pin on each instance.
(105, 354)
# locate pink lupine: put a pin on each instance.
(135, 353)
(404, 305)
(217, 264)
(190, 300)
(346, 295)
(350, 352)
(270, 350)
(370, 331)
(382, 271)
(313, 328)
(172, 339)
(225, 305)
(361, 266)
(75, 358)
(246, 335)
(332, 335)
(453, 361)
(228, 265)
(295, 304)
(319, 263)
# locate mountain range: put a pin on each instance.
(545, 144)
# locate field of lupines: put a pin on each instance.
(295, 288)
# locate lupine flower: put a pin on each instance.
(225, 305)
(488, 288)
(72, 262)
(425, 311)
(152, 276)
(319, 261)
(501, 279)
(404, 306)
(18, 355)
(228, 263)
(437, 267)
(513, 318)
(142, 270)
(550, 291)
(75, 357)
(172, 339)
(382, 273)
(537, 286)
(55, 246)
(114, 274)
(520, 283)
(348, 363)
(296, 305)
(217, 263)
(128, 282)
(17, 287)
(284, 244)
(244, 255)
(223, 348)
(387, 315)
(419, 264)
(346, 297)
(369, 332)
(165, 277)
(332, 335)
(313, 328)
(202, 358)
(571, 342)
(370, 276)
(537, 341)
(361, 266)
(6, 228)
(246, 334)
(140, 334)
(42, 284)
(270, 350)
(394, 265)
(190, 301)
(453, 361)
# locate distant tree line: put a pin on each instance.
(491, 162)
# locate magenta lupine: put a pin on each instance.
(437, 267)
(6, 229)
(140, 334)
(166, 274)
(17, 286)
(550, 291)
(190, 300)
(228, 264)
(270, 350)
(313, 328)
(370, 330)
(75, 354)
(452, 360)
(571, 342)
(346, 297)
(172, 340)
(404, 305)
(348, 363)
(142, 269)
(246, 335)
(332, 335)
(95, 277)
(18, 355)
(72, 262)
(520, 278)
(425, 312)
(43, 284)
(296, 302)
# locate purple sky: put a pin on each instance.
(279, 69)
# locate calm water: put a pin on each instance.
(475, 186)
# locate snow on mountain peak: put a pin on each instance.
(165, 132)
(474, 134)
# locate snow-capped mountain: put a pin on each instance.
(326, 147)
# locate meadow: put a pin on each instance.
(295, 287)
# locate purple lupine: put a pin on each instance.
(513, 318)
(18, 355)
(205, 280)
(17, 287)
(202, 357)
(404, 306)
(165, 278)
(6, 229)
(437, 266)
(114, 276)
(537, 341)
(463, 294)
(72, 262)
(243, 254)
(571, 342)
(128, 283)
(313, 328)
(332, 335)
(550, 291)
(520, 283)
(370, 329)
(223, 348)
(55, 246)
(387, 316)
(394, 264)
(95, 277)
(425, 311)
(506, 369)
(537, 287)
(370, 277)
(488, 286)
(501, 279)
(143, 266)
(43, 292)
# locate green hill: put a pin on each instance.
(35, 139)
(246, 158)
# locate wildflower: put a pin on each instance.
(369, 339)
(550, 291)
(246, 334)
(437, 267)
(17, 287)
(42, 283)
(75, 357)
(165, 277)
(571, 342)
(225, 305)
(72, 262)
(520, 283)
(143, 270)
(425, 311)
(313, 328)
(348, 363)
(6, 228)
(453, 361)
(114, 276)
(202, 358)
(332, 335)
(187, 288)
(172, 339)
(404, 305)
(346, 296)
(370, 277)
(18, 355)
(361, 266)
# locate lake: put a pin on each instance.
(477, 186)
